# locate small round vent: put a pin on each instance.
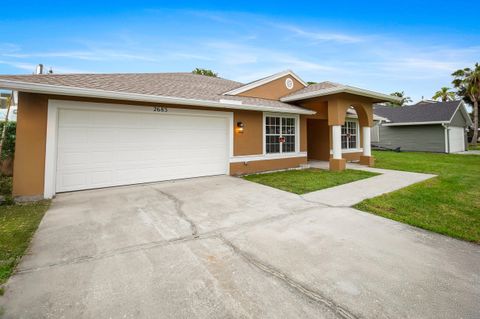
(289, 83)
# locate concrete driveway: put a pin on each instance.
(222, 247)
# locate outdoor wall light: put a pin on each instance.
(240, 127)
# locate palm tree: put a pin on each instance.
(444, 94)
(467, 83)
(404, 99)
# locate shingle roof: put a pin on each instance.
(178, 85)
(315, 87)
(327, 88)
(420, 112)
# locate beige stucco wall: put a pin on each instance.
(274, 90)
(29, 159)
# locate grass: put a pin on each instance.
(474, 148)
(448, 204)
(308, 180)
(18, 222)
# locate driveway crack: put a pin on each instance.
(179, 210)
(300, 288)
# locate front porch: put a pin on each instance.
(340, 130)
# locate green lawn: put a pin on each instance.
(17, 225)
(308, 180)
(474, 148)
(448, 204)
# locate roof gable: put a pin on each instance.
(271, 87)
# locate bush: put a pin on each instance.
(9, 143)
(6, 190)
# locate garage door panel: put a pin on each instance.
(104, 148)
(68, 136)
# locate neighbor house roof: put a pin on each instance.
(172, 88)
(421, 113)
(328, 88)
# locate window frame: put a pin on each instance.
(357, 135)
(296, 119)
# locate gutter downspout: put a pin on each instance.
(447, 138)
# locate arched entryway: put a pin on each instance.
(325, 132)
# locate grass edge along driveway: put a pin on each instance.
(18, 223)
(448, 204)
(307, 180)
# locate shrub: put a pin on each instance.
(9, 143)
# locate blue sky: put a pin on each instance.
(381, 45)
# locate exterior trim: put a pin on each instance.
(51, 150)
(340, 89)
(447, 144)
(263, 81)
(260, 157)
(52, 134)
(95, 93)
(351, 150)
(415, 123)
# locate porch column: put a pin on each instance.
(367, 148)
(367, 158)
(337, 163)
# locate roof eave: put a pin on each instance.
(416, 123)
(115, 95)
(343, 89)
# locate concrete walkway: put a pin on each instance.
(473, 152)
(355, 192)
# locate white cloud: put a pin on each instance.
(20, 65)
(321, 36)
(92, 55)
(30, 67)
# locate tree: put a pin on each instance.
(467, 83)
(444, 94)
(404, 99)
(206, 72)
(311, 82)
(4, 128)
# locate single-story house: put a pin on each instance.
(85, 131)
(425, 126)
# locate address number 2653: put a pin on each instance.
(160, 109)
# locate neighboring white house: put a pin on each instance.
(12, 116)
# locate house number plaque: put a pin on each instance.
(160, 109)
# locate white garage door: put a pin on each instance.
(109, 148)
(456, 139)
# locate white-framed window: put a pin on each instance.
(350, 136)
(280, 134)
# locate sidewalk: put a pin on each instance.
(355, 192)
